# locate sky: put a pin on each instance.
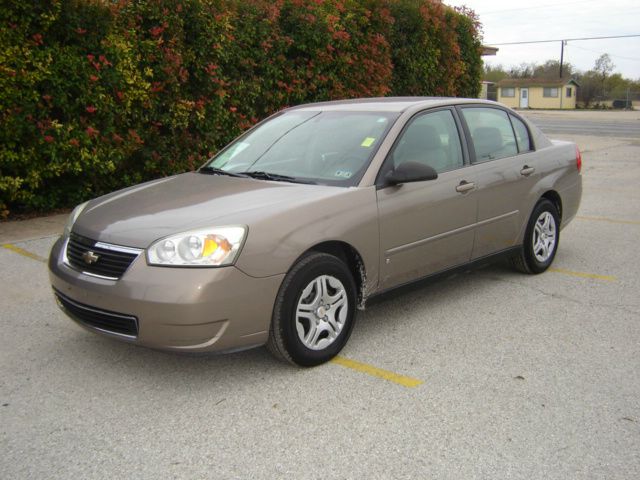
(526, 20)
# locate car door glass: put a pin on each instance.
(431, 139)
(522, 134)
(491, 133)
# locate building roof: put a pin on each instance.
(488, 50)
(536, 82)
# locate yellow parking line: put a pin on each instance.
(610, 220)
(377, 372)
(23, 252)
(606, 278)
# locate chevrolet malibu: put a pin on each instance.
(291, 228)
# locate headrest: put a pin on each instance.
(487, 140)
(421, 139)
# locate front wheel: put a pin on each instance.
(314, 311)
(540, 240)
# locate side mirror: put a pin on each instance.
(411, 172)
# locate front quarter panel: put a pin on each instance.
(276, 241)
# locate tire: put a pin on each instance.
(538, 251)
(314, 311)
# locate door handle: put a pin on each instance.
(465, 186)
(527, 170)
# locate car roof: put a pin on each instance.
(387, 104)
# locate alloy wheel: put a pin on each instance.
(321, 312)
(544, 237)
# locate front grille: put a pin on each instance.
(109, 261)
(104, 320)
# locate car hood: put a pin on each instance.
(139, 215)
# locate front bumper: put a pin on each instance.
(180, 309)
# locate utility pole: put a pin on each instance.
(562, 42)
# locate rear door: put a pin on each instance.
(426, 226)
(504, 167)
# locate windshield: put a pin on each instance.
(330, 148)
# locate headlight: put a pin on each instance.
(73, 217)
(211, 247)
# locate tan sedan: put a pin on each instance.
(285, 233)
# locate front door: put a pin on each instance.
(427, 226)
(524, 98)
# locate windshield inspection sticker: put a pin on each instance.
(367, 142)
(343, 174)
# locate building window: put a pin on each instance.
(508, 91)
(550, 92)
(568, 93)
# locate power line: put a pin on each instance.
(524, 20)
(565, 40)
(610, 54)
(533, 8)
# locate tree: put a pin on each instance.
(616, 86)
(590, 88)
(603, 67)
(551, 70)
(494, 73)
(524, 70)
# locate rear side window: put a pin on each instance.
(431, 139)
(491, 133)
(522, 134)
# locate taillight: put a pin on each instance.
(578, 159)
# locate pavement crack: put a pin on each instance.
(631, 309)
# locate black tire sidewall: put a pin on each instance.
(322, 264)
(532, 262)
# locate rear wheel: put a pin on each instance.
(540, 240)
(314, 311)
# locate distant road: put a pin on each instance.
(571, 123)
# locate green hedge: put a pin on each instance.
(96, 95)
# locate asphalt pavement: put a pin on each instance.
(490, 374)
(625, 124)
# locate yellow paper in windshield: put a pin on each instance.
(367, 142)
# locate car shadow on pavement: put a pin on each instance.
(397, 309)
(108, 357)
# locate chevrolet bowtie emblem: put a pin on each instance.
(90, 257)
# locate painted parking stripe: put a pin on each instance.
(609, 220)
(23, 252)
(377, 372)
(605, 278)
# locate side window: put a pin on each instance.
(432, 139)
(491, 133)
(522, 134)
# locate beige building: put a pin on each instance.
(538, 93)
(487, 90)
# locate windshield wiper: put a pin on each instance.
(218, 171)
(276, 177)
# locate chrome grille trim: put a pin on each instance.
(118, 248)
(114, 259)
